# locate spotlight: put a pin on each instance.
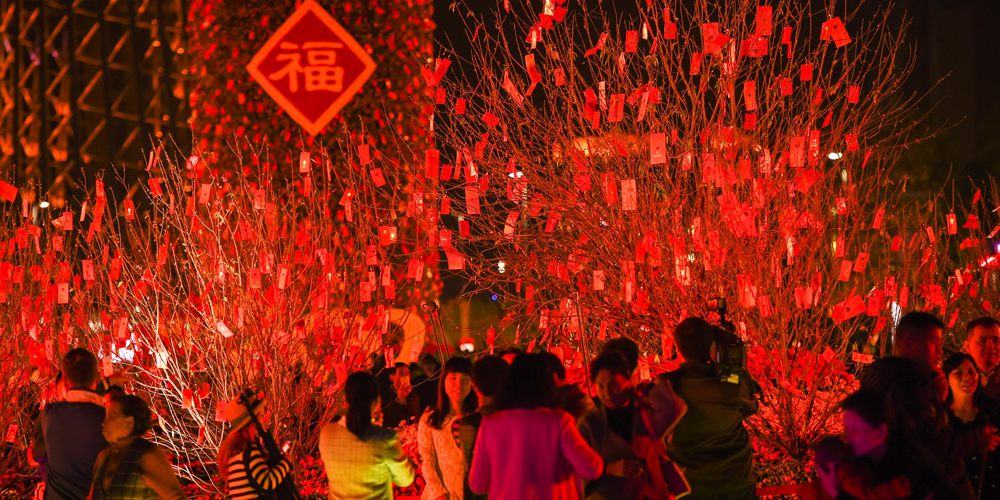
(44, 204)
(835, 156)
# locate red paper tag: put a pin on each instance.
(952, 224)
(853, 94)
(785, 85)
(762, 23)
(377, 177)
(750, 95)
(204, 194)
(845, 270)
(363, 154)
(304, 163)
(806, 72)
(7, 191)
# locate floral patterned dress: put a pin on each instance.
(443, 463)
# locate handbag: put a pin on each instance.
(668, 479)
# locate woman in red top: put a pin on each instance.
(530, 451)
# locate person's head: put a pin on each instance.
(982, 342)
(529, 384)
(919, 336)
(831, 453)
(454, 388)
(430, 365)
(628, 349)
(242, 432)
(963, 377)
(910, 392)
(610, 373)
(79, 368)
(557, 367)
(694, 338)
(510, 353)
(362, 397)
(126, 415)
(865, 427)
(488, 374)
(400, 376)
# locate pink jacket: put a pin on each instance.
(532, 455)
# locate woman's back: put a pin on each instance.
(363, 470)
(531, 454)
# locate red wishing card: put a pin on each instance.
(560, 76)
(853, 94)
(712, 38)
(877, 220)
(806, 72)
(845, 270)
(460, 107)
(154, 187)
(695, 64)
(7, 191)
(631, 41)
(377, 177)
(304, 162)
(472, 200)
(836, 30)
(952, 224)
(629, 195)
(204, 194)
(785, 86)
(797, 152)
(364, 156)
(657, 149)
(762, 23)
(750, 95)
(861, 262)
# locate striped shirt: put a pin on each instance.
(267, 477)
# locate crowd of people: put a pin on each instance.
(918, 427)
(514, 426)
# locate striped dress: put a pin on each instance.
(267, 477)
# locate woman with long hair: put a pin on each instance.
(531, 451)
(970, 409)
(242, 462)
(441, 454)
(132, 468)
(362, 460)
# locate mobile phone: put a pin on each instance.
(285, 447)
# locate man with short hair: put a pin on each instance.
(982, 342)
(710, 442)
(572, 399)
(72, 429)
(919, 336)
(404, 404)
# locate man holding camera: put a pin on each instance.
(711, 442)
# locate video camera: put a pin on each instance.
(730, 350)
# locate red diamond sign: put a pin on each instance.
(311, 67)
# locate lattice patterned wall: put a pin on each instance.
(85, 85)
